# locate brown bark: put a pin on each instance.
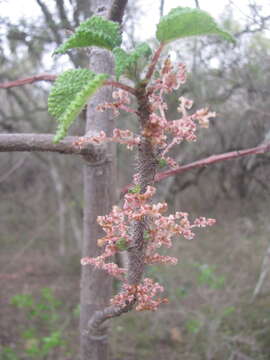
(117, 10)
(147, 165)
(44, 142)
(99, 196)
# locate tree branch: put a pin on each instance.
(197, 4)
(101, 316)
(48, 77)
(117, 10)
(161, 8)
(154, 61)
(212, 160)
(121, 86)
(44, 142)
(207, 161)
(50, 21)
(30, 80)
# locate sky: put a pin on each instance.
(28, 8)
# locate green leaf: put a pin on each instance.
(122, 244)
(228, 310)
(95, 31)
(22, 300)
(125, 62)
(135, 189)
(146, 235)
(162, 163)
(183, 22)
(121, 61)
(193, 326)
(69, 95)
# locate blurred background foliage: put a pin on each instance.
(218, 307)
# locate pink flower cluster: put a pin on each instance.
(144, 295)
(167, 133)
(162, 132)
(160, 230)
(122, 101)
(126, 137)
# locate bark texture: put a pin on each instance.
(99, 196)
(147, 165)
(44, 142)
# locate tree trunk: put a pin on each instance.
(99, 196)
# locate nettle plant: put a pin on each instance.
(139, 227)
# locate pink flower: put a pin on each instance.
(160, 230)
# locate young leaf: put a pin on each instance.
(135, 189)
(183, 22)
(69, 96)
(95, 31)
(122, 244)
(162, 163)
(121, 61)
(124, 62)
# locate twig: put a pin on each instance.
(117, 10)
(161, 8)
(30, 80)
(154, 61)
(212, 160)
(121, 86)
(207, 161)
(47, 77)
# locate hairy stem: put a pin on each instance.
(213, 159)
(147, 166)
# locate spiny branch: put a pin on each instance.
(207, 161)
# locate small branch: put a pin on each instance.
(154, 61)
(30, 80)
(44, 142)
(264, 271)
(117, 10)
(121, 86)
(212, 160)
(101, 316)
(47, 77)
(197, 4)
(161, 8)
(205, 162)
